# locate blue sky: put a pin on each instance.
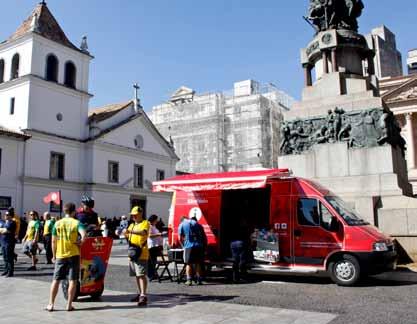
(204, 44)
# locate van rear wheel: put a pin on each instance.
(345, 270)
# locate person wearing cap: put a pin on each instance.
(88, 217)
(7, 240)
(137, 235)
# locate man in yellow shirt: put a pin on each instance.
(66, 253)
(30, 241)
(137, 236)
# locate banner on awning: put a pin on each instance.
(219, 181)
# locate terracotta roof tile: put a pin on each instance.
(48, 27)
(103, 113)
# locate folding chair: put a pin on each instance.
(177, 256)
(164, 264)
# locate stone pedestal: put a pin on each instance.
(376, 171)
(373, 181)
(344, 136)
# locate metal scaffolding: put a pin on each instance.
(224, 132)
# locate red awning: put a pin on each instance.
(219, 181)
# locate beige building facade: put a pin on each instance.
(400, 94)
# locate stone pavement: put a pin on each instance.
(23, 300)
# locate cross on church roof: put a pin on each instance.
(136, 100)
(136, 87)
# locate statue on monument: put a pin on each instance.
(335, 14)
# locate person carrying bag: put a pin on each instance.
(133, 251)
(137, 236)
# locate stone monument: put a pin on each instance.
(342, 133)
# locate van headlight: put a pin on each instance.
(380, 246)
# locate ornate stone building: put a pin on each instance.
(400, 94)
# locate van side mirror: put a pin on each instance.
(334, 224)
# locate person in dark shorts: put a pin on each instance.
(194, 242)
(66, 254)
(31, 239)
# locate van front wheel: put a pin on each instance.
(345, 270)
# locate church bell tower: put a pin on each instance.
(44, 79)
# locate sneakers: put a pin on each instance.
(135, 299)
(32, 268)
(189, 282)
(143, 301)
(4, 273)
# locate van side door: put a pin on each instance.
(313, 238)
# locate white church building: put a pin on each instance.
(50, 140)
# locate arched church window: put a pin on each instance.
(15, 67)
(70, 75)
(52, 68)
(1, 71)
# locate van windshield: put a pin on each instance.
(346, 212)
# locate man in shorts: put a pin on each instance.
(137, 235)
(194, 241)
(66, 254)
(30, 241)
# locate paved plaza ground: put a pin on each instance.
(384, 299)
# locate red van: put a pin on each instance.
(298, 226)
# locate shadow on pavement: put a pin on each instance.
(404, 277)
(155, 301)
(388, 279)
(27, 275)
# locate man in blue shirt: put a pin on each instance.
(194, 241)
(7, 239)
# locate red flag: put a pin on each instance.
(52, 196)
